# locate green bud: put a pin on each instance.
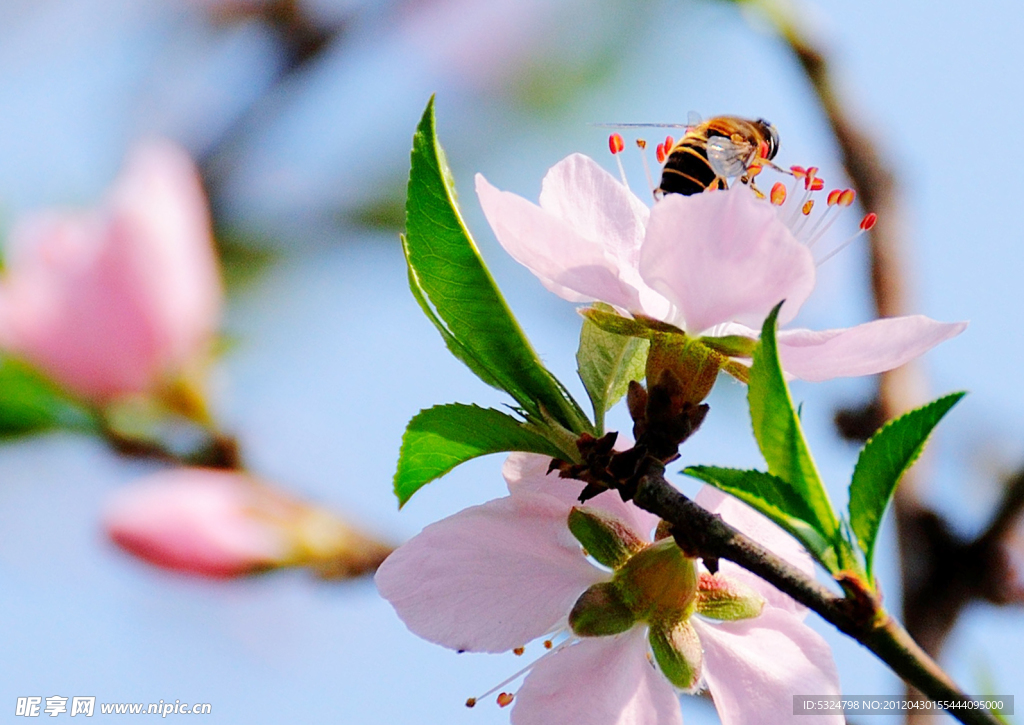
(720, 597)
(678, 653)
(605, 537)
(659, 583)
(600, 611)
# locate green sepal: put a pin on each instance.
(637, 326)
(677, 650)
(731, 345)
(606, 538)
(600, 612)
(456, 291)
(725, 599)
(883, 461)
(440, 438)
(694, 365)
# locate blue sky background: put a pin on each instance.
(333, 357)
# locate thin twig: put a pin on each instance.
(701, 533)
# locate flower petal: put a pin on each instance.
(753, 668)
(765, 532)
(491, 577)
(724, 257)
(528, 472)
(582, 242)
(598, 681)
(873, 347)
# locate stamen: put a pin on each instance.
(762, 150)
(505, 699)
(833, 197)
(548, 644)
(798, 171)
(778, 195)
(806, 208)
(660, 153)
(847, 197)
(472, 701)
(616, 145)
(814, 184)
(642, 145)
(865, 224)
(518, 651)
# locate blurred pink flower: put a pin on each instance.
(713, 264)
(222, 523)
(122, 298)
(493, 577)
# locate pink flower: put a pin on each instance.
(122, 298)
(494, 577)
(222, 523)
(712, 264)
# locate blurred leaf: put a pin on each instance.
(454, 288)
(882, 463)
(606, 363)
(31, 403)
(440, 438)
(776, 499)
(385, 212)
(778, 431)
(243, 260)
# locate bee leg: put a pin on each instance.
(753, 187)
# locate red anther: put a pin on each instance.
(762, 150)
(670, 144)
(812, 171)
(807, 207)
(505, 699)
(518, 651)
(615, 144)
(868, 221)
(660, 153)
(471, 702)
(548, 644)
(753, 170)
(798, 171)
(833, 197)
(641, 143)
(813, 184)
(847, 197)
(778, 195)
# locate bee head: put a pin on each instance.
(771, 135)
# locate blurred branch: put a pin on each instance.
(941, 573)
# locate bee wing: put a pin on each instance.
(693, 119)
(639, 125)
(728, 159)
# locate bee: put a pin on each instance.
(713, 151)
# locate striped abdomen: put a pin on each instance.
(687, 170)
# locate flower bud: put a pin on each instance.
(606, 538)
(122, 299)
(221, 524)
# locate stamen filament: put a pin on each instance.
(472, 701)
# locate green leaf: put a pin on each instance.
(882, 463)
(779, 434)
(452, 284)
(776, 499)
(606, 364)
(440, 438)
(30, 403)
